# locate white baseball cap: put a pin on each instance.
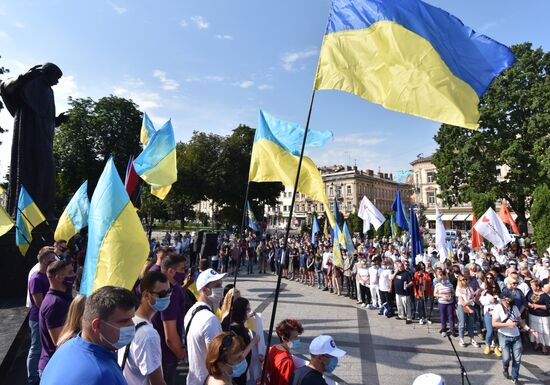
(429, 379)
(325, 345)
(207, 276)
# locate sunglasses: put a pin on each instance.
(227, 341)
(514, 283)
(163, 293)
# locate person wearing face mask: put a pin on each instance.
(54, 308)
(89, 358)
(224, 360)
(169, 322)
(324, 359)
(61, 249)
(280, 365)
(38, 287)
(202, 325)
(141, 361)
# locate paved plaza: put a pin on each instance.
(380, 350)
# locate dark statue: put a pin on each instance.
(29, 99)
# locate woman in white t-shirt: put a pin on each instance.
(465, 297)
(490, 299)
(444, 292)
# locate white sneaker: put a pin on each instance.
(421, 322)
(363, 305)
(428, 322)
(475, 343)
(461, 342)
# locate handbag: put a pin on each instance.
(467, 309)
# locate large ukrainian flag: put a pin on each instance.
(156, 164)
(147, 130)
(75, 215)
(117, 245)
(409, 57)
(275, 159)
(28, 217)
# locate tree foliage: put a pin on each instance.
(540, 216)
(94, 132)
(515, 116)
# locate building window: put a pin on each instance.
(348, 207)
(322, 207)
(431, 176)
(431, 197)
(331, 191)
(348, 190)
(417, 178)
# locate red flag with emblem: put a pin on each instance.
(506, 217)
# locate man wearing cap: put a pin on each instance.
(202, 325)
(324, 359)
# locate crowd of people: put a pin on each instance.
(180, 310)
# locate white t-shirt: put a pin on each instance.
(203, 329)
(384, 280)
(374, 274)
(500, 314)
(326, 257)
(145, 355)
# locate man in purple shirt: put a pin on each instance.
(54, 308)
(38, 287)
(161, 253)
(169, 323)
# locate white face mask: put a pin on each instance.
(216, 296)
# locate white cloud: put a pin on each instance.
(358, 139)
(291, 59)
(183, 23)
(167, 84)
(66, 87)
(4, 37)
(118, 9)
(200, 22)
(19, 25)
(214, 78)
(265, 87)
(245, 84)
(224, 37)
(133, 88)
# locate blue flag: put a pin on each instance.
(400, 218)
(314, 230)
(349, 242)
(416, 237)
(252, 223)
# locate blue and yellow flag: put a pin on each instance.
(252, 223)
(339, 241)
(314, 230)
(393, 226)
(117, 244)
(6, 223)
(75, 215)
(147, 130)
(275, 159)
(409, 57)
(350, 247)
(156, 164)
(28, 217)
(400, 217)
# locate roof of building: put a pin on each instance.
(422, 159)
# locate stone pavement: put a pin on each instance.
(380, 350)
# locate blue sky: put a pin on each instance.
(210, 65)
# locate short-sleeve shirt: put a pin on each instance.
(174, 312)
(400, 282)
(203, 329)
(144, 355)
(385, 280)
(38, 284)
(374, 273)
(446, 289)
(309, 376)
(52, 315)
(80, 362)
(280, 367)
(500, 314)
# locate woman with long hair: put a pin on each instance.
(490, 297)
(465, 296)
(538, 303)
(73, 323)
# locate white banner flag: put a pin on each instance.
(370, 215)
(440, 236)
(491, 227)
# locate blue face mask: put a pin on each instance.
(126, 336)
(332, 364)
(294, 344)
(239, 369)
(161, 304)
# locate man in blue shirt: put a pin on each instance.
(90, 358)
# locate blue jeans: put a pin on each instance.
(489, 336)
(511, 348)
(34, 354)
(465, 319)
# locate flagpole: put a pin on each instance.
(280, 272)
(33, 226)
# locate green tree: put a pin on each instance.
(421, 212)
(540, 216)
(514, 119)
(355, 223)
(94, 132)
(2, 71)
